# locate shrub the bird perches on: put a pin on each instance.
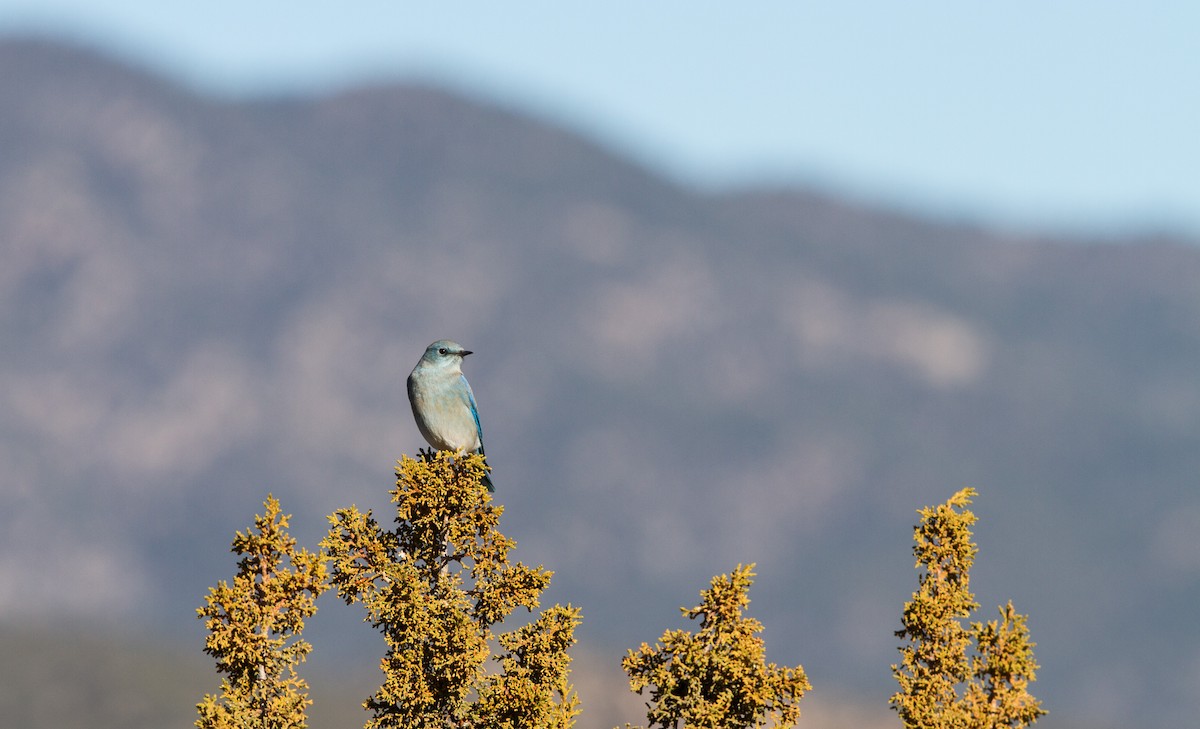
(435, 586)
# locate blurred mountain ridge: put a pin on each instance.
(204, 300)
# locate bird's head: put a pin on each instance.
(444, 353)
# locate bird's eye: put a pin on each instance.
(443, 350)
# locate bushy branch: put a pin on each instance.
(1003, 670)
(254, 627)
(952, 677)
(717, 678)
(435, 586)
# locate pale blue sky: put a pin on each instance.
(1071, 114)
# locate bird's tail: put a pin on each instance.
(487, 476)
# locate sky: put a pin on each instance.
(1074, 116)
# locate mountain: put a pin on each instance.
(205, 300)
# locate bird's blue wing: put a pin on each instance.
(487, 478)
(474, 410)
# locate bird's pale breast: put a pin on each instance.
(443, 414)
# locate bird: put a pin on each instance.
(443, 404)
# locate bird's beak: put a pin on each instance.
(465, 352)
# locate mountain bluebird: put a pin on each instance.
(442, 401)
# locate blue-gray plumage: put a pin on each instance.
(442, 401)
